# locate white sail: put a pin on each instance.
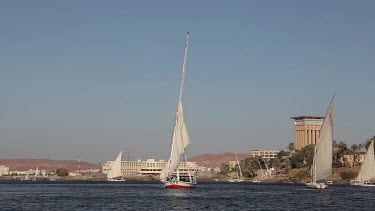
(367, 171)
(240, 176)
(322, 166)
(36, 173)
(180, 138)
(27, 177)
(115, 171)
(180, 141)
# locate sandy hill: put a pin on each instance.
(51, 165)
(215, 160)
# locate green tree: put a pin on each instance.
(347, 175)
(224, 169)
(354, 147)
(308, 152)
(368, 142)
(291, 146)
(360, 147)
(276, 163)
(61, 172)
(249, 166)
(296, 160)
(340, 149)
(303, 157)
(281, 154)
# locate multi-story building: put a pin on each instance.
(307, 130)
(351, 159)
(232, 164)
(4, 170)
(150, 166)
(266, 154)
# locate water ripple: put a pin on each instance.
(83, 195)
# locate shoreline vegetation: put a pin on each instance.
(295, 176)
(294, 165)
(289, 166)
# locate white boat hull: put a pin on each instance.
(257, 181)
(116, 180)
(235, 180)
(178, 184)
(365, 184)
(314, 185)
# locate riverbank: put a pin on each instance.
(295, 175)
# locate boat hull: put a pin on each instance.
(314, 185)
(235, 180)
(365, 184)
(178, 184)
(116, 180)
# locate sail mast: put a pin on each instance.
(260, 167)
(188, 167)
(239, 166)
(184, 68)
(168, 164)
(314, 179)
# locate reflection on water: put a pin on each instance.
(153, 196)
(177, 192)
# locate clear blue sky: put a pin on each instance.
(94, 77)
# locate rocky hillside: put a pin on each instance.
(215, 160)
(51, 165)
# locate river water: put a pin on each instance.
(83, 195)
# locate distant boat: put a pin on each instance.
(114, 174)
(36, 175)
(322, 162)
(239, 172)
(27, 177)
(263, 177)
(367, 171)
(269, 170)
(180, 141)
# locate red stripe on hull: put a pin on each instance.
(178, 186)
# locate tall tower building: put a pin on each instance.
(307, 130)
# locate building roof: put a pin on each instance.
(307, 117)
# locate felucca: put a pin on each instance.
(322, 163)
(367, 171)
(180, 140)
(114, 174)
(239, 172)
(36, 175)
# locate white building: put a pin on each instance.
(4, 170)
(266, 154)
(233, 163)
(30, 172)
(150, 166)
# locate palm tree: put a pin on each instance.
(291, 146)
(360, 147)
(355, 148)
(339, 150)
